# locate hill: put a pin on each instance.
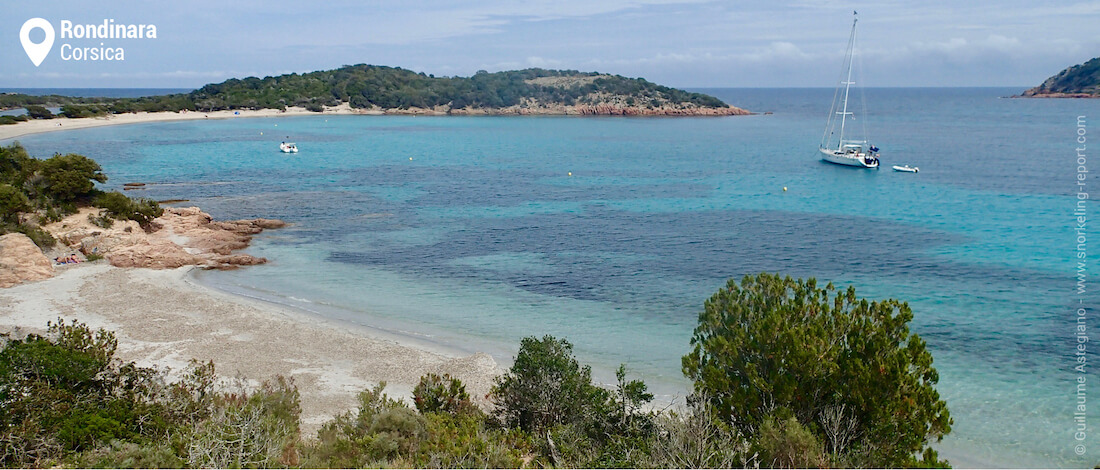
(373, 88)
(1079, 81)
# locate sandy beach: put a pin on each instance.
(39, 126)
(161, 318)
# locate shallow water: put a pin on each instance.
(471, 232)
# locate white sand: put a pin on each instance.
(38, 126)
(163, 319)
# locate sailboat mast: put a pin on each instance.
(847, 82)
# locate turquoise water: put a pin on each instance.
(473, 232)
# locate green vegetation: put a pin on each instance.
(1079, 79)
(38, 112)
(787, 375)
(36, 191)
(788, 357)
(435, 394)
(364, 86)
(368, 86)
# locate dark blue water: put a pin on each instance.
(474, 232)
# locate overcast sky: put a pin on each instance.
(681, 43)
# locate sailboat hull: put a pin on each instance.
(859, 160)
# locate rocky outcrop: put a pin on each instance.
(156, 254)
(593, 104)
(180, 237)
(22, 261)
(1079, 81)
(603, 109)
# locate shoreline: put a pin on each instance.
(164, 319)
(25, 128)
(39, 126)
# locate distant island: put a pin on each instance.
(1079, 81)
(392, 90)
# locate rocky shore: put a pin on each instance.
(142, 291)
(179, 237)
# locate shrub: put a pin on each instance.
(696, 439)
(122, 454)
(62, 393)
(546, 386)
(119, 206)
(435, 394)
(52, 215)
(102, 220)
(12, 119)
(464, 441)
(38, 112)
(72, 176)
(347, 441)
(12, 203)
(37, 235)
(787, 444)
(770, 343)
(258, 429)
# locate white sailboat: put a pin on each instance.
(846, 150)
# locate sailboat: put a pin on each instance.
(846, 150)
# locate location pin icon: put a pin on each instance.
(37, 52)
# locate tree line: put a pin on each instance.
(368, 86)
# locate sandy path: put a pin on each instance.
(162, 319)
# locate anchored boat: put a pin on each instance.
(846, 150)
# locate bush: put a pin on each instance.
(258, 429)
(72, 176)
(62, 393)
(464, 441)
(121, 207)
(435, 394)
(122, 454)
(102, 220)
(37, 235)
(546, 386)
(12, 203)
(548, 394)
(12, 119)
(772, 343)
(38, 112)
(347, 441)
(787, 444)
(697, 439)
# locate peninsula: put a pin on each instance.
(389, 90)
(1079, 81)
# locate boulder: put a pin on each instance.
(22, 261)
(157, 254)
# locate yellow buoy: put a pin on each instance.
(784, 188)
(261, 132)
(410, 159)
(570, 173)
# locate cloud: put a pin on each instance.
(535, 61)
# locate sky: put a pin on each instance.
(681, 43)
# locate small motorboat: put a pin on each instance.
(906, 168)
(288, 147)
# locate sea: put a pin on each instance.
(471, 233)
